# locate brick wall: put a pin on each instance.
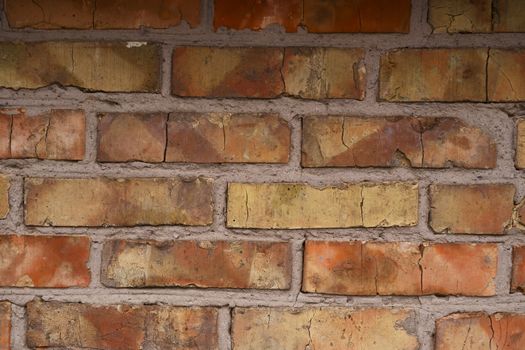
(227, 174)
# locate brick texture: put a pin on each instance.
(518, 269)
(4, 196)
(5, 325)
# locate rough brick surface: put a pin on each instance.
(4, 196)
(471, 209)
(339, 141)
(120, 327)
(42, 261)
(57, 134)
(477, 330)
(433, 75)
(520, 144)
(505, 70)
(518, 269)
(317, 328)
(93, 14)
(294, 206)
(460, 16)
(112, 67)
(227, 138)
(206, 264)
(5, 325)
(117, 202)
(510, 16)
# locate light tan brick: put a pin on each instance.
(460, 16)
(505, 75)
(4, 196)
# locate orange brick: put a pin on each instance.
(518, 269)
(227, 138)
(520, 144)
(4, 196)
(478, 330)
(44, 261)
(337, 141)
(505, 75)
(5, 326)
(206, 264)
(120, 327)
(117, 202)
(471, 209)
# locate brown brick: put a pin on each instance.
(505, 75)
(448, 75)
(362, 268)
(351, 16)
(5, 325)
(101, 14)
(227, 138)
(323, 328)
(318, 73)
(337, 141)
(479, 330)
(460, 16)
(4, 196)
(518, 269)
(509, 16)
(460, 269)
(124, 137)
(471, 209)
(256, 14)
(520, 144)
(111, 67)
(120, 327)
(205, 264)
(131, 14)
(57, 134)
(227, 72)
(117, 202)
(44, 261)
(294, 206)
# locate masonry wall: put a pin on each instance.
(299, 174)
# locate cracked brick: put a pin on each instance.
(505, 75)
(460, 16)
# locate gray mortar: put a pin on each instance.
(497, 119)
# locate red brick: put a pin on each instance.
(323, 328)
(471, 209)
(460, 269)
(124, 137)
(5, 325)
(339, 141)
(227, 138)
(44, 261)
(479, 330)
(101, 14)
(447, 75)
(506, 69)
(57, 134)
(256, 14)
(117, 202)
(120, 327)
(518, 269)
(205, 264)
(354, 16)
(227, 72)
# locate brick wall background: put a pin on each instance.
(299, 174)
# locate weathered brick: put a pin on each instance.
(294, 206)
(479, 330)
(446, 75)
(471, 209)
(318, 73)
(399, 268)
(57, 134)
(505, 75)
(350, 16)
(520, 144)
(117, 202)
(256, 14)
(227, 138)
(44, 261)
(111, 67)
(321, 328)
(120, 327)
(227, 72)
(460, 16)
(339, 141)
(124, 137)
(460, 269)
(4, 196)
(518, 269)
(93, 14)
(205, 264)
(509, 16)
(5, 325)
